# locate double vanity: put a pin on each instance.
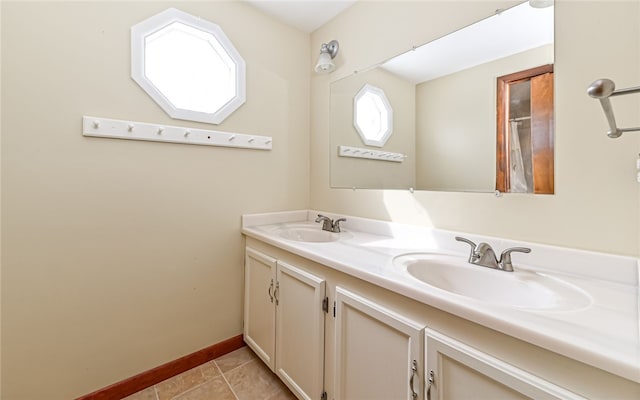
(376, 310)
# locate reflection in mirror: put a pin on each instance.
(444, 100)
(372, 116)
(188, 66)
(525, 141)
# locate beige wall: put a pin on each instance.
(118, 256)
(456, 124)
(349, 172)
(0, 202)
(596, 201)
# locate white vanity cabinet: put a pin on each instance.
(380, 344)
(377, 351)
(457, 371)
(284, 321)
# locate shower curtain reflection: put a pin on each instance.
(518, 180)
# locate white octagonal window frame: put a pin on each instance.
(189, 95)
(372, 116)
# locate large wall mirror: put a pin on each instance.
(452, 129)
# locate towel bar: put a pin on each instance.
(602, 89)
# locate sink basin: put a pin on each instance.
(519, 289)
(310, 234)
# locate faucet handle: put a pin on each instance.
(505, 257)
(473, 255)
(336, 224)
(321, 218)
(467, 241)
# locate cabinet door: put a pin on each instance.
(300, 331)
(377, 351)
(259, 305)
(457, 371)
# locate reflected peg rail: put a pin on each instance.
(357, 152)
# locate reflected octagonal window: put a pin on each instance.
(188, 66)
(372, 116)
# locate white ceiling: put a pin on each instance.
(515, 30)
(512, 31)
(306, 15)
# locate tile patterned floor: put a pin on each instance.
(239, 375)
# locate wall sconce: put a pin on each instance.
(328, 52)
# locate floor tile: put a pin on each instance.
(283, 393)
(254, 380)
(239, 375)
(179, 384)
(213, 389)
(147, 394)
(235, 359)
(209, 370)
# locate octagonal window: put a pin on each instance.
(372, 116)
(188, 66)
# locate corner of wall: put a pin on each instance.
(0, 199)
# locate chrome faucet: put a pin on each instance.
(328, 224)
(482, 254)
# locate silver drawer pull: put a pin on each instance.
(431, 383)
(270, 291)
(414, 371)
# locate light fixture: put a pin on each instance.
(328, 52)
(540, 3)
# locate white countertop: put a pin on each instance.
(606, 334)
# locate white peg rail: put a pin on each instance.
(118, 129)
(357, 152)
